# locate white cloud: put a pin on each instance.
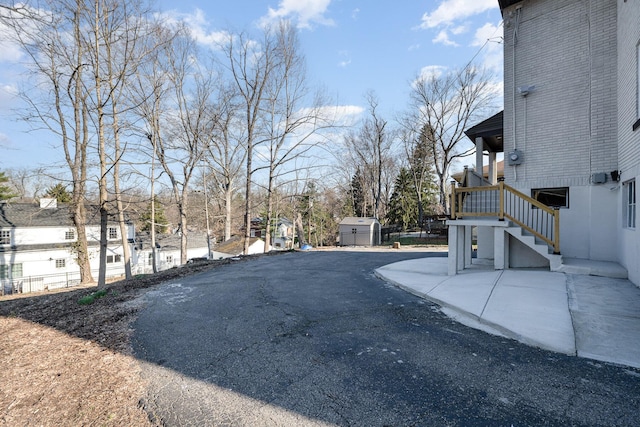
(8, 96)
(443, 37)
(432, 71)
(303, 12)
(346, 58)
(197, 24)
(453, 10)
(490, 36)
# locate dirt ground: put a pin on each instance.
(67, 364)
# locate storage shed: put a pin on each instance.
(359, 232)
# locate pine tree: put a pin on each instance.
(5, 190)
(59, 192)
(403, 206)
(162, 224)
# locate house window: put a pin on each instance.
(630, 204)
(69, 235)
(113, 233)
(14, 271)
(552, 197)
(5, 237)
(169, 259)
(111, 259)
(61, 263)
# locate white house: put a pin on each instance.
(283, 234)
(167, 251)
(356, 231)
(36, 246)
(571, 142)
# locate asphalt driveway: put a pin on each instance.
(316, 339)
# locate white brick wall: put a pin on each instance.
(567, 126)
(629, 140)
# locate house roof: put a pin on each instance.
(172, 241)
(352, 220)
(32, 215)
(506, 3)
(458, 176)
(491, 131)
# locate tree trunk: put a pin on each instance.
(300, 230)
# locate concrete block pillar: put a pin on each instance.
(468, 248)
(456, 260)
(500, 249)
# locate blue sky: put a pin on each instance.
(351, 46)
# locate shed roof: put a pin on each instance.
(235, 245)
(352, 220)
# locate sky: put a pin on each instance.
(351, 47)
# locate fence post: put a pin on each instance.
(452, 210)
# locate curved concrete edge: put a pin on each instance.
(564, 345)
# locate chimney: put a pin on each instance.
(48, 203)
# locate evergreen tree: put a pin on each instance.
(358, 197)
(5, 190)
(421, 169)
(403, 206)
(59, 192)
(162, 224)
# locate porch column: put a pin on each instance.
(456, 255)
(468, 247)
(493, 168)
(479, 155)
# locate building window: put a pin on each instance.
(69, 235)
(113, 233)
(61, 263)
(5, 237)
(150, 261)
(169, 259)
(111, 259)
(630, 204)
(552, 197)
(14, 271)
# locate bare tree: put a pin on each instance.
(447, 105)
(190, 126)
(293, 120)
(250, 64)
(51, 35)
(227, 151)
(370, 150)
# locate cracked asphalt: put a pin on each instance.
(314, 339)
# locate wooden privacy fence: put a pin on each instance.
(502, 201)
